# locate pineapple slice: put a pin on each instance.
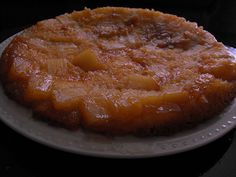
(127, 108)
(225, 70)
(57, 66)
(94, 111)
(177, 97)
(39, 87)
(165, 107)
(222, 87)
(68, 95)
(141, 82)
(20, 68)
(101, 108)
(151, 100)
(88, 61)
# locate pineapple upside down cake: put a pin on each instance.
(119, 71)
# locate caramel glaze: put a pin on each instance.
(119, 71)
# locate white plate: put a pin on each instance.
(79, 142)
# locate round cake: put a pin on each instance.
(119, 71)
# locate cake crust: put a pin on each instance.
(119, 71)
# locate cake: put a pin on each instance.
(119, 71)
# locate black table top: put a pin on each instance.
(20, 156)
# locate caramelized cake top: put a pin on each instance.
(118, 70)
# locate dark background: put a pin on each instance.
(22, 157)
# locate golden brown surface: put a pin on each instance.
(119, 71)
